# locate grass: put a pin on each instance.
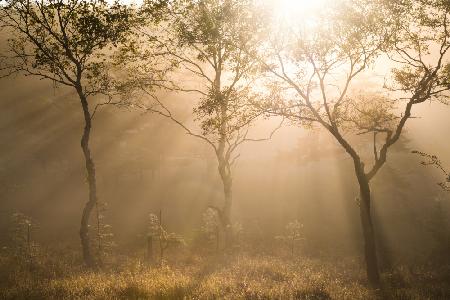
(229, 276)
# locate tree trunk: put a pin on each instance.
(225, 211)
(99, 235)
(227, 188)
(370, 253)
(149, 249)
(90, 169)
(373, 273)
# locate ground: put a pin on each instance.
(224, 276)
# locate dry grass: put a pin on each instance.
(225, 277)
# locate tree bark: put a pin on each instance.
(90, 170)
(225, 211)
(227, 188)
(370, 252)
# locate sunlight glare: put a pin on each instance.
(293, 9)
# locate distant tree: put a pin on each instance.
(211, 226)
(22, 241)
(315, 61)
(67, 42)
(201, 45)
(165, 239)
(293, 235)
(104, 237)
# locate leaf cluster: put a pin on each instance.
(66, 41)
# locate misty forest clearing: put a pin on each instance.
(225, 149)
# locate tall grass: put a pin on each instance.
(227, 276)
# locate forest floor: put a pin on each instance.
(238, 276)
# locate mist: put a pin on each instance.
(148, 165)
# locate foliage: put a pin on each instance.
(203, 41)
(209, 33)
(303, 57)
(348, 39)
(219, 43)
(314, 66)
(420, 34)
(65, 41)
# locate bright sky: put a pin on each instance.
(289, 6)
(286, 6)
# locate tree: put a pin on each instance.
(67, 42)
(210, 227)
(307, 58)
(165, 239)
(23, 246)
(104, 237)
(203, 40)
(294, 234)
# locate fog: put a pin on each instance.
(146, 164)
(223, 149)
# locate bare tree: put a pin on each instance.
(202, 47)
(315, 63)
(66, 42)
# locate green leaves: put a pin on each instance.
(367, 112)
(210, 36)
(65, 40)
(408, 78)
